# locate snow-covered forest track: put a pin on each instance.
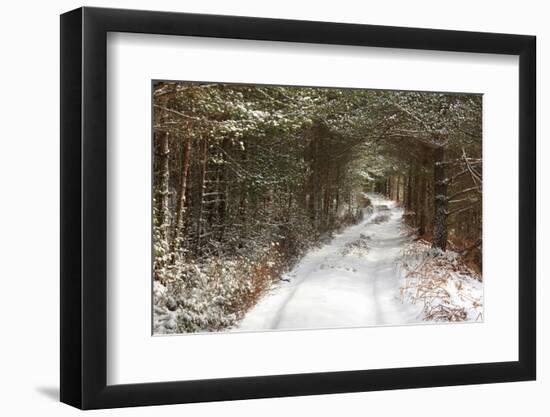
(352, 281)
(358, 280)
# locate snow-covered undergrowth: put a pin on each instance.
(447, 288)
(211, 296)
(215, 293)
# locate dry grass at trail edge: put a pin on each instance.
(449, 290)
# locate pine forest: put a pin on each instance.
(281, 207)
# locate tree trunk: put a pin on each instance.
(222, 187)
(397, 181)
(440, 201)
(422, 205)
(337, 189)
(408, 203)
(182, 195)
(204, 157)
(164, 183)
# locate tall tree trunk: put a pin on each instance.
(289, 207)
(397, 187)
(182, 195)
(223, 190)
(408, 200)
(441, 201)
(337, 189)
(204, 157)
(164, 183)
(422, 205)
(311, 195)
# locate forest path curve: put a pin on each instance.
(351, 281)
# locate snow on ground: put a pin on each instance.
(442, 283)
(360, 279)
(352, 281)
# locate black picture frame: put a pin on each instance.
(84, 207)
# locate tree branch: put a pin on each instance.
(471, 206)
(467, 190)
(185, 116)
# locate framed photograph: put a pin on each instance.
(257, 208)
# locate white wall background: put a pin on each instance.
(29, 178)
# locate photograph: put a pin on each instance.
(296, 207)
